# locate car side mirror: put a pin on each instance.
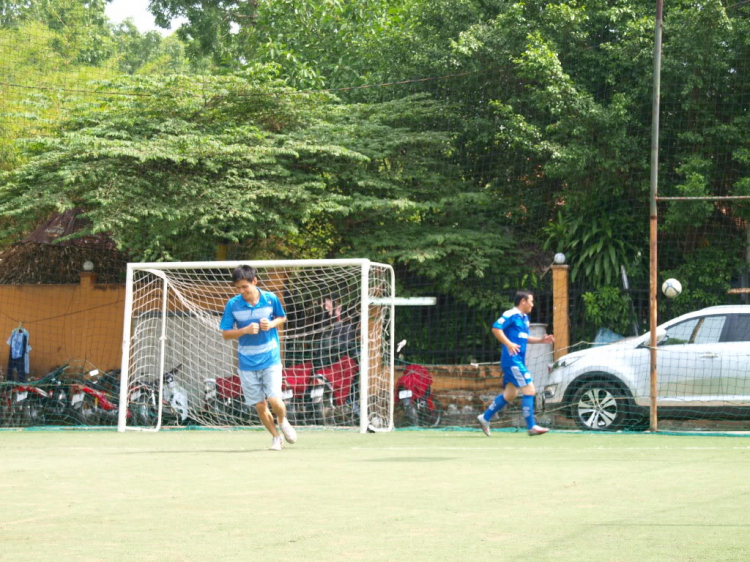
(661, 335)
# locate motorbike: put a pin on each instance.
(308, 395)
(94, 399)
(5, 403)
(294, 392)
(25, 405)
(332, 388)
(321, 396)
(56, 405)
(415, 404)
(225, 403)
(35, 403)
(175, 397)
(143, 402)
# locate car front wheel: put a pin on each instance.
(600, 406)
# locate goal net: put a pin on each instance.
(336, 344)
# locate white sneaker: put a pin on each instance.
(276, 444)
(484, 424)
(538, 430)
(289, 432)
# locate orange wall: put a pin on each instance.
(77, 324)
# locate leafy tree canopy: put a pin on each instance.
(182, 163)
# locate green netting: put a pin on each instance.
(466, 149)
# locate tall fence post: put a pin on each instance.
(653, 218)
(560, 315)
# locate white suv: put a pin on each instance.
(703, 370)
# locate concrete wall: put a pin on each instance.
(66, 323)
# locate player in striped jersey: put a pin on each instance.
(252, 317)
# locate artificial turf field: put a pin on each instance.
(402, 496)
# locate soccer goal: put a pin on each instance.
(336, 344)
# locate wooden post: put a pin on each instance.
(221, 252)
(88, 279)
(561, 318)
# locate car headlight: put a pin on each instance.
(549, 391)
(564, 362)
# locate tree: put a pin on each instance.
(150, 53)
(13, 11)
(81, 29)
(316, 43)
(193, 161)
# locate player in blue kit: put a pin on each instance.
(252, 317)
(512, 330)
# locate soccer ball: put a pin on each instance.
(671, 288)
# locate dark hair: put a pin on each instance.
(521, 295)
(244, 273)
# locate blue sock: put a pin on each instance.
(527, 407)
(495, 407)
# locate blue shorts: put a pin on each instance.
(516, 374)
(259, 385)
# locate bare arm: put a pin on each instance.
(549, 338)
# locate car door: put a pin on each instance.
(735, 361)
(689, 363)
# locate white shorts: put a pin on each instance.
(259, 385)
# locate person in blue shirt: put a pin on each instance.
(512, 330)
(252, 317)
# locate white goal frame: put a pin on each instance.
(367, 301)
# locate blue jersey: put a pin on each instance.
(255, 351)
(515, 326)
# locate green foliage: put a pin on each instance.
(540, 136)
(81, 30)
(148, 53)
(705, 275)
(195, 161)
(595, 246)
(690, 214)
(608, 307)
(36, 75)
(168, 173)
(13, 12)
(315, 42)
(567, 124)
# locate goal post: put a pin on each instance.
(336, 346)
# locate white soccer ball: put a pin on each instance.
(671, 288)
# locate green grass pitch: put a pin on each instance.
(407, 496)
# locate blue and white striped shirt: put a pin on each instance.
(254, 351)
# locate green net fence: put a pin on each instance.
(465, 145)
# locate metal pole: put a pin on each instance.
(364, 359)
(653, 223)
(392, 362)
(125, 361)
